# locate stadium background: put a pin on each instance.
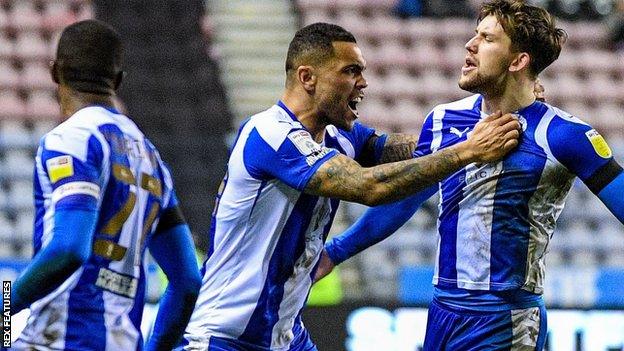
(196, 69)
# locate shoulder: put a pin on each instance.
(467, 103)
(273, 126)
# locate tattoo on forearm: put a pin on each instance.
(343, 178)
(398, 147)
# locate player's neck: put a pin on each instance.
(306, 114)
(72, 101)
(513, 98)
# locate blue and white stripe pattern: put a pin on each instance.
(100, 306)
(267, 234)
(496, 220)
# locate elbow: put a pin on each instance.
(373, 195)
(72, 260)
(189, 287)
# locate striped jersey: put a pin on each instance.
(496, 220)
(100, 153)
(267, 235)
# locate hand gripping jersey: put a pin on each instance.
(496, 220)
(266, 235)
(99, 153)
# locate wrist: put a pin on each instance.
(465, 153)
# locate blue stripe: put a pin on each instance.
(290, 246)
(448, 227)
(86, 329)
(522, 170)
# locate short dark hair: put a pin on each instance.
(89, 57)
(531, 29)
(312, 44)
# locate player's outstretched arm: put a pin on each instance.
(611, 196)
(375, 225)
(68, 249)
(174, 251)
(343, 178)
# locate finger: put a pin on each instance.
(510, 145)
(511, 125)
(504, 119)
(512, 135)
(493, 116)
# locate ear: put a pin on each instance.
(521, 62)
(54, 72)
(307, 77)
(118, 79)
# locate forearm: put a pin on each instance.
(55, 263)
(398, 147)
(611, 196)
(174, 313)
(342, 178)
(375, 225)
(174, 251)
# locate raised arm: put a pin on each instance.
(343, 178)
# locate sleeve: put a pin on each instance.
(293, 160)
(426, 137)
(358, 136)
(583, 151)
(71, 162)
(175, 253)
(375, 225)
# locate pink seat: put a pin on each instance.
(36, 74)
(12, 105)
(9, 78)
(42, 105)
(25, 17)
(30, 45)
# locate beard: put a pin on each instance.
(331, 111)
(492, 84)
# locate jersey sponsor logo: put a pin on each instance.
(599, 143)
(60, 167)
(307, 146)
(117, 283)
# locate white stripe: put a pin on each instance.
(46, 190)
(436, 129)
(541, 134)
(298, 284)
(344, 142)
(121, 334)
(525, 328)
(75, 188)
(545, 206)
(474, 226)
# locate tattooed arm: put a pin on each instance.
(396, 147)
(343, 178)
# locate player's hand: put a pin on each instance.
(538, 91)
(326, 266)
(493, 137)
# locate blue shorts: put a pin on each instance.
(455, 329)
(301, 342)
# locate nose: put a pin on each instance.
(471, 45)
(362, 82)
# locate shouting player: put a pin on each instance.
(274, 210)
(102, 196)
(496, 219)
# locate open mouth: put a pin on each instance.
(353, 104)
(469, 65)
